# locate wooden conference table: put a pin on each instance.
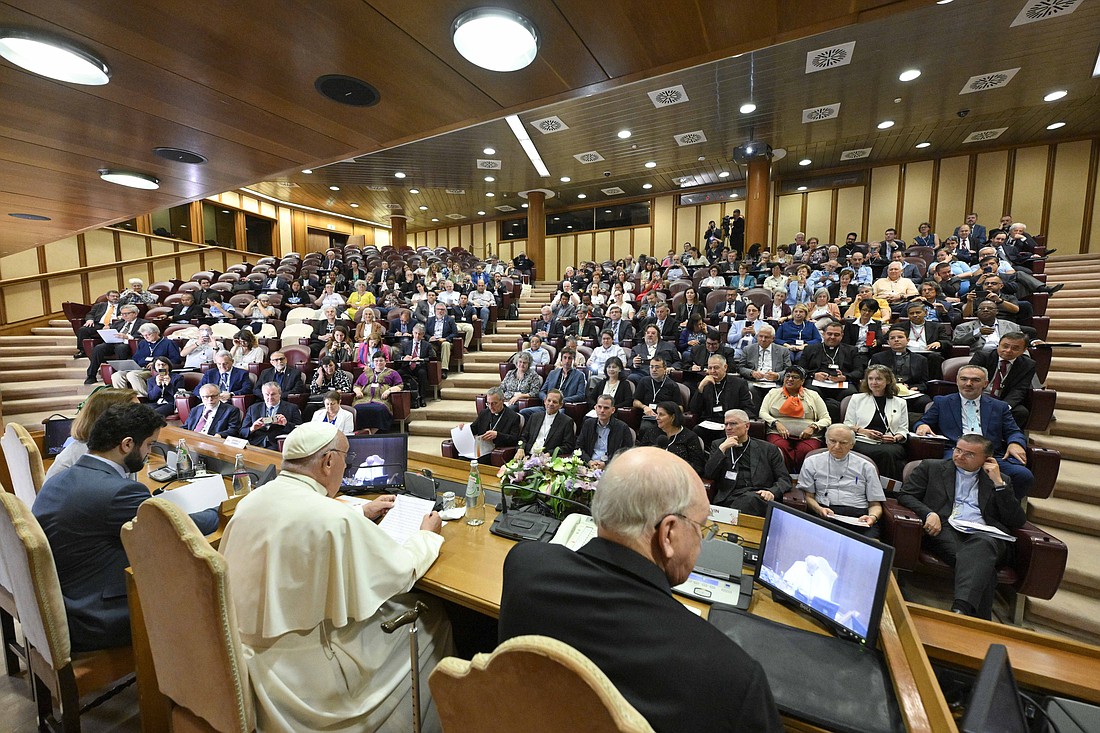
(468, 572)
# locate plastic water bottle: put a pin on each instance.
(242, 482)
(475, 498)
(185, 464)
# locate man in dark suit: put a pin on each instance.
(833, 361)
(971, 411)
(227, 378)
(603, 436)
(550, 429)
(102, 315)
(620, 329)
(1012, 373)
(265, 421)
(272, 283)
(700, 357)
(287, 377)
(909, 368)
(930, 339)
(425, 309)
(498, 424)
(127, 325)
(747, 472)
(966, 486)
(974, 231)
(186, 310)
(401, 327)
(213, 416)
(667, 327)
(612, 601)
(647, 349)
(415, 355)
(658, 387)
(440, 329)
(82, 510)
(718, 393)
(547, 326)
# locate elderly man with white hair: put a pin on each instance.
(840, 483)
(151, 346)
(612, 601)
(312, 580)
(893, 288)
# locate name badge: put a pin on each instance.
(799, 342)
(653, 405)
(834, 367)
(716, 408)
(731, 475)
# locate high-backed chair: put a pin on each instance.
(498, 457)
(197, 601)
(24, 462)
(1043, 462)
(58, 675)
(564, 674)
(1039, 401)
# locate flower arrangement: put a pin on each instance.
(562, 477)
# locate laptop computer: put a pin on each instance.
(124, 365)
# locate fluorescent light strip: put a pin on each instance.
(280, 202)
(527, 145)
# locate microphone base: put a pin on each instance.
(519, 525)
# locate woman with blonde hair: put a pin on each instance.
(96, 404)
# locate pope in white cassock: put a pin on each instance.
(312, 579)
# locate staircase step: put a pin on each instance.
(1082, 570)
(1070, 613)
(1071, 381)
(1078, 449)
(67, 403)
(1060, 335)
(1078, 365)
(1078, 401)
(1067, 514)
(40, 363)
(68, 341)
(37, 388)
(480, 367)
(65, 330)
(433, 428)
(1076, 423)
(455, 411)
(44, 348)
(465, 394)
(76, 370)
(1075, 323)
(33, 420)
(471, 380)
(427, 444)
(60, 323)
(1077, 482)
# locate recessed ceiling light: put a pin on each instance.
(748, 108)
(414, 190)
(30, 217)
(565, 179)
(354, 206)
(434, 219)
(582, 196)
(225, 211)
(333, 188)
(490, 194)
(724, 174)
(607, 211)
(557, 218)
(924, 144)
(523, 206)
(624, 134)
(943, 2)
(570, 226)
(1055, 95)
(801, 188)
(733, 195)
(307, 171)
(495, 39)
(481, 213)
(423, 208)
(805, 161)
(650, 164)
(1055, 125)
(344, 89)
(909, 75)
(489, 179)
(129, 179)
(53, 57)
(398, 174)
(885, 124)
(647, 186)
(489, 151)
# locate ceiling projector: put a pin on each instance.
(750, 151)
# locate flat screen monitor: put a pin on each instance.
(826, 571)
(377, 463)
(995, 701)
(56, 435)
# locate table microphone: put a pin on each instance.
(502, 507)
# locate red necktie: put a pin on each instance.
(998, 378)
(202, 421)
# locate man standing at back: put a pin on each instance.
(612, 601)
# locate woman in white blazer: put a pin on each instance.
(881, 421)
(336, 415)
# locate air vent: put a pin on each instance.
(590, 157)
(668, 96)
(377, 188)
(455, 216)
(455, 191)
(690, 138)
(613, 191)
(984, 135)
(488, 165)
(830, 58)
(505, 207)
(855, 154)
(548, 125)
(992, 80)
(392, 207)
(824, 112)
(347, 90)
(1037, 10)
(287, 184)
(179, 155)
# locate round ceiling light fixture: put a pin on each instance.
(495, 39)
(489, 179)
(129, 179)
(801, 188)
(724, 174)
(489, 151)
(307, 171)
(582, 195)
(650, 164)
(1055, 95)
(423, 208)
(179, 155)
(481, 213)
(647, 186)
(53, 57)
(354, 206)
(624, 134)
(399, 174)
(347, 90)
(748, 108)
(885, 124)
(1055, 125)
(923, 145)
(565, 179)
(30, 217)
(805, 162)
(414, 190)
(909, 75)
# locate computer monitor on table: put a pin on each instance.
(995, 701)
(831, 573)
(376, 463)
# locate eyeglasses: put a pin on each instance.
(349, 455)
(707, 530)
(278, 358)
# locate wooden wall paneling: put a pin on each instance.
(706, 213)
(286, 232)
(601, 246)
(189, 265)
(19, 264)
(100, 247)
(509, 249)
(849, 213)
(884, 201)
(818, 215)
(802, 216)
(788, 219)
(381, 238)
(99, 282)
(23, 300)
(686, 226)
(621, 244)
(661, 221)
(916, 198)
(138, 271)
(865, 225)
(833, 198)
(989, 186)
(951, 187)
(1010, 179)
(643, 241)
(934, 194)
(61, 255)
(586, 247)
(1091, 194)
(899, 207)
(553, 247)
(1028, 186)
(971, 174)
(44, 291)
(1067, 197)
(62, 289)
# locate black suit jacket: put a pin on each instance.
(931, 488)
(97, 311)
(670, 332)
(185, 313)
(933, 332)
(1017, 384)
(851, 334)
(625, 330)
(766, 470)
(918, 367)
(507, 427)
(587, 331)
(815, 358)
(290, 381)
(226, 420)
(619, 439)
(733, 395)
(562, 435)
(268, 437)
(615, 607)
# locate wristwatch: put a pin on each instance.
(998, 487)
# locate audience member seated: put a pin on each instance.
(648, 392)
(201, 349)
(361, 298)
(966, 486)
(910, 369)
(322, 330)
(162, 386)
(77, 444)
(667, 327)
(746, 472)
(329, 377)
(835, 365)
(881, 311)
(677, 439)
(270, 418)
(603, 352)
(245, 350)
(217, 309)
(837, 482)
(880, 420)
(611, 382)
(483, 300)
(287, 377)
(799, 290)
(692, 339)
(717, 393)
(229, 379)
(713, 280)
(150, 347)
(136, 294)
(550, 429)
(865, 334)
(843, 293)
(930, 339)
(334, 414)
(102, 315)
(522, 382)
(620, 329)
(795, 417)
(894, 288)
(991, 286)
(373, 391)
(259, 311)
(571, 382)
(823, 312)
(603, 436)
(732, 310)
(972, 411)
(128, 326)
(648, 349)
(214, 416)
(797, 333)
(415, 355)
(981, 335)
(776, 281)
(82, 510)
(499, 424)
(1013, 373)
(712, 345)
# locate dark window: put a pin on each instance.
(513, 228)
(258, 234)
(219, 225)
(713, 197)
(623, 215)
(176, 221)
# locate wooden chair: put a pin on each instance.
(564, 674)
(24, 462)
(57, 674)
(198, 602)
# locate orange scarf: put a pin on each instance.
(792, 406)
